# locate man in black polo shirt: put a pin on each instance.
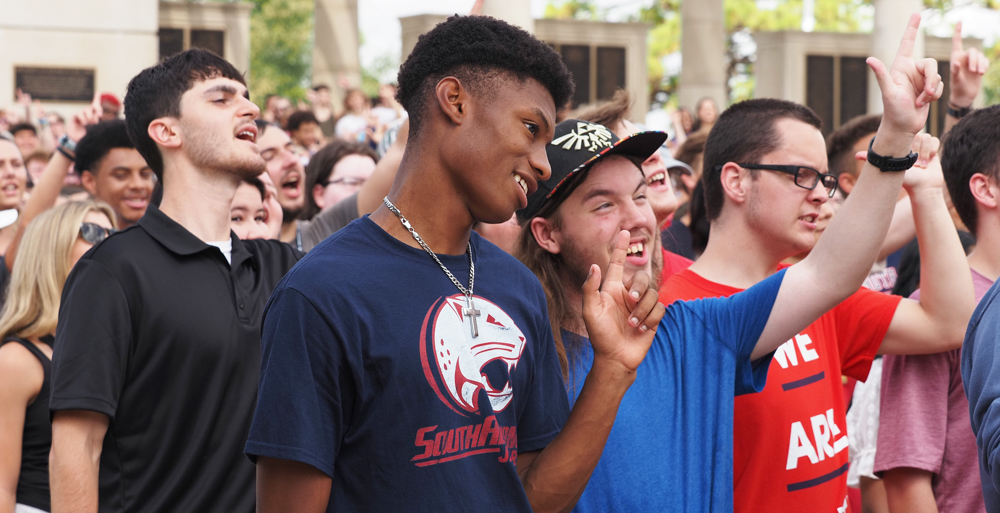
(155, 376)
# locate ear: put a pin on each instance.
(735, 182)
(452, 99)
(846, 182)
(985, 191)
(546, 234)
(89, 182)
(165, 132)
(317, 193)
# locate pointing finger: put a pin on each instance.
(909, 37)
(616, 267)
(956, 38)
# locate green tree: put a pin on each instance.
(572, 10)
(281, 36)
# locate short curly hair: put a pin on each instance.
(99, 141)
(842, 140)
(478, 50)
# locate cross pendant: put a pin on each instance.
(472, 313)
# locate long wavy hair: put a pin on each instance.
(41, 269)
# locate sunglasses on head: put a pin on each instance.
(94, 233)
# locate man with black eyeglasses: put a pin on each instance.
(766, 177)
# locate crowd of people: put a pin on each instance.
(463, 295)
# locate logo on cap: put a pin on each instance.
(588, 135)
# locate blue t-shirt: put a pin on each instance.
(981, 378)
(370, 373)
(671, 447)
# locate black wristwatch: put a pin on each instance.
(890, 163)
(958, 112)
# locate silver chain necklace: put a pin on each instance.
(469, 310)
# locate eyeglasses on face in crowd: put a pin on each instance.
(94, 233)
(805, 177)
(348, 181)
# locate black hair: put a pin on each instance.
(971, 147)
(254, 181)
(321, 87)
(840, 143)
(21, 127)
(100, 139)
(262, 126)
(321, 167)
(744, 133)
(156, 92)
(478, 50)
(298, 118)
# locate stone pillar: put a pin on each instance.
(515, 12)
(335, 46)
(703, 50)
(891, 17)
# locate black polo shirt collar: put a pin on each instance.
(179, 240)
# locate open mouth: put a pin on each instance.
(247, 134)
(10, 189)
(137, 203)
(290, 185)
(521, 183)
(637, 250)
(658, 179)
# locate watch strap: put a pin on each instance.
(958, 112)
(890, 164)
(67, 147)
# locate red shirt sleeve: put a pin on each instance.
(862, 321)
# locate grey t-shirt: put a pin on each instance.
(326, 223)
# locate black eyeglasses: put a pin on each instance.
(94, 233)
(805, 177)
(348, 181)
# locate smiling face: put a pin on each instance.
(13, 176)
(218, 130)
(660, 189)
(783, 214)
(611, 199)
(285, 169)
(124, 181)
(499, 152)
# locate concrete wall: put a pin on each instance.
(335, 47)
(781, 58)
(631, 36)
(231, 18)
(116, 38)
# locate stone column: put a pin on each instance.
(335, 46)
(891, 17)
(515, 12)
(703, 50)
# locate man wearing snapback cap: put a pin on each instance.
(671, 447)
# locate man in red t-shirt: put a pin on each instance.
(790, 441)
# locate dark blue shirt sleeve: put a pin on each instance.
(306, 390)
(981, 377)
(546, 407)
(737, 321)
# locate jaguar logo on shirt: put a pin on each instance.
(454, 361)
(455, 365)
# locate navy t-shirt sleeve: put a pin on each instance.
(306, 387)
(738, 322)
(90, 355)
(980, 361)
(546, 406)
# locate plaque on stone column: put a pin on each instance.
(56, 84)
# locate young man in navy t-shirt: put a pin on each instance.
(429, 382)
(671, 448)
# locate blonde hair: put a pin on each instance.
(41, 269)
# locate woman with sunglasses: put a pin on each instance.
(49, 248)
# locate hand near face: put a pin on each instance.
(967, 70)
(271, 206)
(909, 87)
(621, 317)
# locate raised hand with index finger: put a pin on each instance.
(907, 88)
(967, 68)
(621, 317)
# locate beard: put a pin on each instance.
(288, 216)
(205, 152)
